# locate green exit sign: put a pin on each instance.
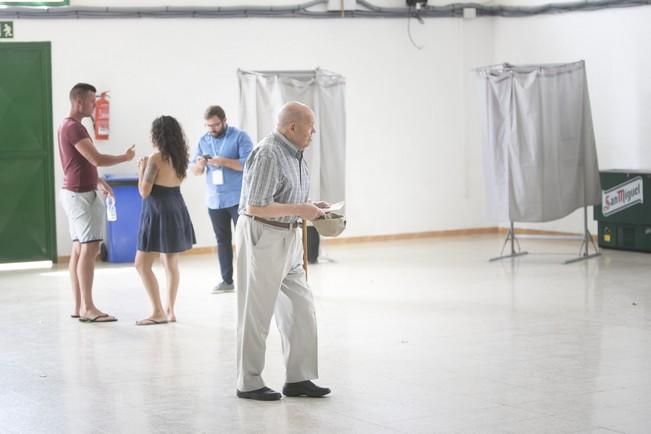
(6, 29)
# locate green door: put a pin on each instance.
(27, 216)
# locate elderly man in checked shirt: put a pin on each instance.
(270, 276)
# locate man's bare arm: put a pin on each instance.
(104, 187)
(97, 159)
(308, 211)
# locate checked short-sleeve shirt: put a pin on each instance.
(275, 172)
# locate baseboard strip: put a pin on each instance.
(393, 237)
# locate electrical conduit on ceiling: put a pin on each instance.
(364, 9)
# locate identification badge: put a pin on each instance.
(218, 176)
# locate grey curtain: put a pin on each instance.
(540, 157)
(262, 93)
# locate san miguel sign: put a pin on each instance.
(622, 196)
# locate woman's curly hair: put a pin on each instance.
(167, 135)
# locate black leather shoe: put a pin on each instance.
(304, 388)
(263, 394)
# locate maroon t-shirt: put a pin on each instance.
(78, 174)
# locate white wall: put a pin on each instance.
(414, 152)
(410, 163)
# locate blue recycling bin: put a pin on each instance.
(121, 235)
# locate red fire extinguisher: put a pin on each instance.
(102, 117)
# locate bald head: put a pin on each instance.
(292, 112)
(296, 122)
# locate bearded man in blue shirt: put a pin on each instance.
(220, 155)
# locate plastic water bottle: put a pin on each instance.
(111, 213)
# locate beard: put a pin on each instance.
(220, 132)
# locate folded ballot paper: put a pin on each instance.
(334, 207)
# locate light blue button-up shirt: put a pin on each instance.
(234, 144)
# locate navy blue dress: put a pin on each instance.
(165, 224)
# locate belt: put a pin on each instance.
(277, 224)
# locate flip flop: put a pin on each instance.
(149, 321)
(98, 318)
(74, 316)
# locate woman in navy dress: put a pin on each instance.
(165, 226)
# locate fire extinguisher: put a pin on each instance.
(101, 119)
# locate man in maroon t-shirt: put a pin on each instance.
(81, 201)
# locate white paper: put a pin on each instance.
(217, 177)
(334, 207)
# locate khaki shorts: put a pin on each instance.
(86, 215)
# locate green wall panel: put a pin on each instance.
(27, 212)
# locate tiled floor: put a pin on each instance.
(415, 336)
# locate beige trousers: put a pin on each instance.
(271, 282)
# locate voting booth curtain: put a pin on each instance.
(262, 94)
(539, 149)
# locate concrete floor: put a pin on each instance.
(415, 336)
